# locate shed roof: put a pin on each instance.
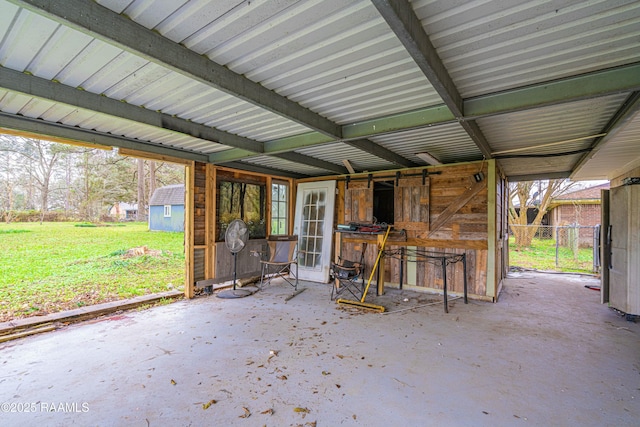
(591, 193)
(549, 89)
(126, 206)
(168, 195)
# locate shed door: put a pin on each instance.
(605, 246)
(411, 211)
(358, 203)
(314, 227)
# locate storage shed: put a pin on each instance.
(166, 209)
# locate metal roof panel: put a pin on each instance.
(619, 154)
(337, 152)
(448, 143)
(489, 46)
(550, 125)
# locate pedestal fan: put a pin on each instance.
(235, 239)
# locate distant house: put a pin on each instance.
(581, 208)
(124, 211)
(166, 208)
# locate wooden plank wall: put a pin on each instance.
(194, 236)
(417, 208)
(358, 202)
(247, 264)
(411, 208)
(199, 204)
(197, 222)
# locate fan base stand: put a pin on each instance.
(234, 293)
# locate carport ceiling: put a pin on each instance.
(294, 88)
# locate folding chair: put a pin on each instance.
(282, 255)
(348, 277)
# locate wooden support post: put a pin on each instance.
(210, 222)
(492, 281)
(268, 204)
(337, 253)
(189, 277)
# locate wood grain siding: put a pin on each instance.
(195, 226)
(461, 203)
(411, 209)
(189, 281)
(199, 264)
(199, 205)
(247, 264)
(469, 221)
(358, 203)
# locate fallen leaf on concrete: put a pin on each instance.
(209, 403)
(246, 414)
(326, 373)
(282, 377)
(267, 412)
(311, 424)
(301, 410)
(173, 382)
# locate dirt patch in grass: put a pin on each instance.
(142, 250)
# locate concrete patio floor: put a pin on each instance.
(547, 354)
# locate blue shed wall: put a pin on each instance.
(157, 221)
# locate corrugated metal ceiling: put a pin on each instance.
(488, 46)
(619, 157)
(550, 125)
(327, 68)
(448, 143)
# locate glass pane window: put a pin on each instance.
(279, 208)
(167, 211)
(245, 201)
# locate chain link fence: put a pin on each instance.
(570, 248)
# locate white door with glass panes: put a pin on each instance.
(314, 227)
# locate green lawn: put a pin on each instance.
(542, 256)
(59, 266)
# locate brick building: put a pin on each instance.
(581, 208)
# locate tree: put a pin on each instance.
(42, 157)
(8, 171)
(141, 194)
(81, 182)
(531, 195)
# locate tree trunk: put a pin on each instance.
(140, 212)
(522, 231)
(152, 179)
(68, 183)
